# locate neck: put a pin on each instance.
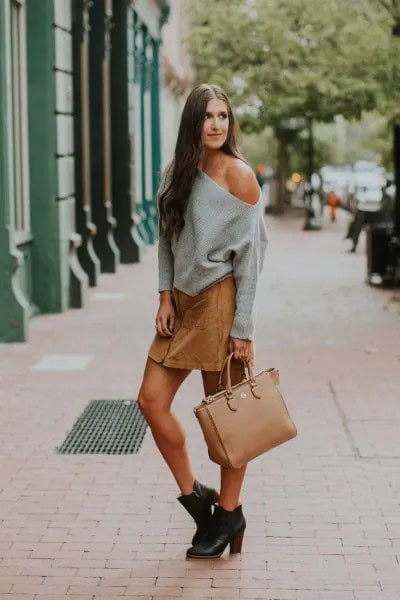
(210, 158)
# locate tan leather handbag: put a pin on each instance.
(243, 421)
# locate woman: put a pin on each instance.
(211, 249)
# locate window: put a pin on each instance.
(20, 118)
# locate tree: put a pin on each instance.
(391, 102)
(286, 58)
(280, 59)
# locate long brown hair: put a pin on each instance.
(188, 153)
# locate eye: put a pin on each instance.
(222, 116)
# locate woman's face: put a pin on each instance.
(216, 125)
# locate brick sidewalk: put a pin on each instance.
(323, 511)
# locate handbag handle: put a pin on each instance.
(227, 365)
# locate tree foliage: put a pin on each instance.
(287, 58)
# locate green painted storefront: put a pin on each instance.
(60, 186)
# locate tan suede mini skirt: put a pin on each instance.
(202, 330)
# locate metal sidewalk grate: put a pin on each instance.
(106, 427)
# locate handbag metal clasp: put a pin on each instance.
(231, 402)
(254, 388)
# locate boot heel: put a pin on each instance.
(235, 545)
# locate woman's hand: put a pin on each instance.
(242, 349)
(165, 320)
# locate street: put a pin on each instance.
(323, 511)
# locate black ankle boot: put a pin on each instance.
(227, 527)
(198, 504)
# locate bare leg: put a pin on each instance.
(231, 479)
(157, 391)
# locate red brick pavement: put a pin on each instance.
(323, 511)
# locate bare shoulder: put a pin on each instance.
(242, 181)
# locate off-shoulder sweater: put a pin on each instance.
(222, 236)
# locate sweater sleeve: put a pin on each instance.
(165, 255)
(165, 264)
(247, 264)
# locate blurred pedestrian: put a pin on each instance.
(211, 250)
(355, 228)
(260, 175)
(333, 203)
(262, 182)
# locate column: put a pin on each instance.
(129, 242)
(82, 125)
(155, 111)
(14, 308)
(146, 125)
(138, 154)
(100, 135)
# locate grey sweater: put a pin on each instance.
(222, 236)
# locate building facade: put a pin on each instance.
(81, 143)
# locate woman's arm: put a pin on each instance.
(165, 265)
(248, 257)
(246, 267)
(165, 256)
(165, 320)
